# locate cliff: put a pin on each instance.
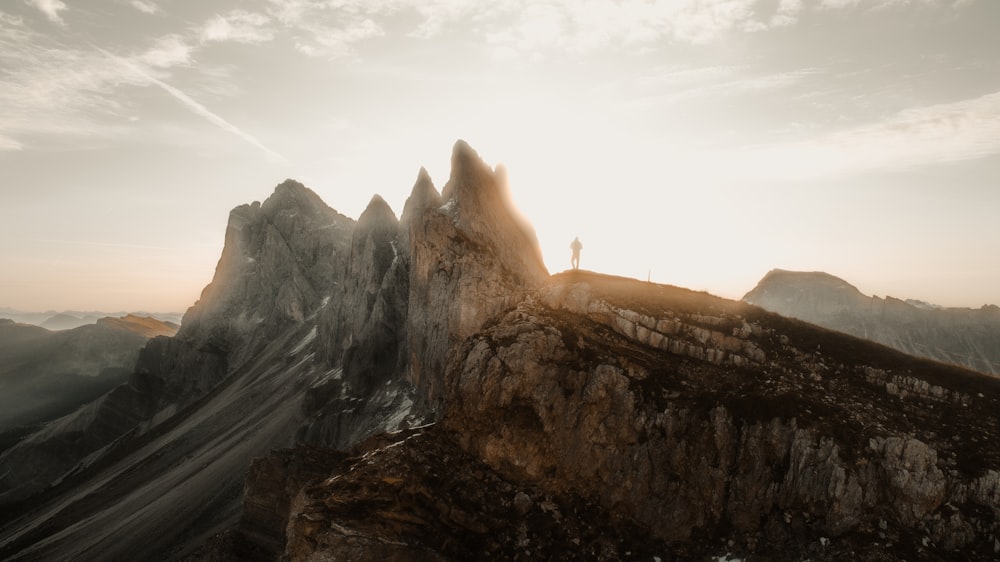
(690, 425)
(966, 337)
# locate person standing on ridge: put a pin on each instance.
(576, 246)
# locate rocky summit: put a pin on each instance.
(420, 388)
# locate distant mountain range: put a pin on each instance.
(69, 319)
(45, 374)
(961, 336)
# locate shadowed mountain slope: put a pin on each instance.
(45, 374)
(966, 337)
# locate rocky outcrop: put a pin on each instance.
(280, 260)
(472, 258)
(272, 484)
(706, 427)
(966, 337)
(363, 335)
(416, 495)
(584, 392)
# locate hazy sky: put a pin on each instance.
(699, 142)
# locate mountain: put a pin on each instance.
(145, 326)
(46, 374)
(64, 321)
(69, 319)
(420, 388)
(961, 336)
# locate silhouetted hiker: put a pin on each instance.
(576, 246)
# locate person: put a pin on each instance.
(576, 246)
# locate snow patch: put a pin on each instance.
(327, 377)
(302, 362)
(416, 427)
(367, 456)
(305, 341)
(392, 421)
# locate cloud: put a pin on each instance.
(7, 144)
(51, 90)
(238, 26)
(838, 4)
(168, 51)
(13, 21)
(673, 85)
(332, 28)
(787, 13)
(339, 41)
(145, 6)
(68, 95)
(537, 29)
(936, 134)
(50, 8)
(196, 107)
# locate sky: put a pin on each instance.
(699, 143)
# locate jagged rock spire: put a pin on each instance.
(468, 170)
(423, 196)
(378, 213)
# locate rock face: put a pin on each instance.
(692, 426)
(279, 259)
(966, 337)
(471, 259)
(480, 408)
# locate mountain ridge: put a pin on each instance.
(963, 336)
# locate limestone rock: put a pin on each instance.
(279, 260)
(471, 260)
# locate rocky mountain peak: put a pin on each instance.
(470, 259)
(378, 214)
(423, 196)
(468, 172)
(291, 194)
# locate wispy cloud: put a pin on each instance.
(674, 85)
(196, 107)
(332, 29)
(9, 144)
(238, 26)
(787, 13)
(145, 6)
(936, 134)
(52, 90)
(168, 51)
(52, 93)
(526, 28)
(51, 9)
